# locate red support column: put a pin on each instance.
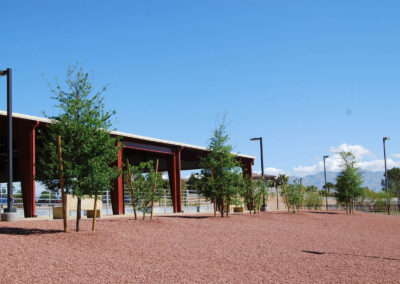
(247, 169)
(178, 179)
(172, 181)
(26, 147)
(117, 195)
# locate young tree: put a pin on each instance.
(282, 181)
(348, 182)
(88, 149)
(221, 171)
(148, 185)
(294, 195)
(253, 194)
(393, 183)
(313, 200)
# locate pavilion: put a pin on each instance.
(173, 157)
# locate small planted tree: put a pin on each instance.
(88, 150)
(148, 185)
(348, 182)
(294, 196)
(282, 181)
(221, 173)
(253, 194)
(393, 183)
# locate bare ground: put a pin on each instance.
(270, 247)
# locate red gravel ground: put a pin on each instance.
(269, 247)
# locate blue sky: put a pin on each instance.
(310, 77)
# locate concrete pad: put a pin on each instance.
(9, 216)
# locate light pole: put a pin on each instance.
(10, 208)
(326, 189)
(384, 155)
(264, 205)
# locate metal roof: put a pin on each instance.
(127, 135)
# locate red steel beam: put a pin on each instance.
(26, 147)
(117, 195)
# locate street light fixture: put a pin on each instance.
(10, 208)
(326, 189)
(384, 154)
(264, 205)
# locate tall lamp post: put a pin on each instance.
(326, 189)
(384, 155)
(264, 205)
(10, 212)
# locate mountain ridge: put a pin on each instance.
(371, 179)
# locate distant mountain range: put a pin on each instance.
(371, 179)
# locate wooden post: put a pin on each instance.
(63, 197)
(95, 212)
(154, 190)
(131, 188)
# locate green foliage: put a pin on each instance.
(295, 195)
(313, 200)
(393, 182)
(382, 200)
(221, 175)
(253, 194)
(88, 150)
(310, 188)
(46, 195)
(367, 195)
(147, 184)
(348, 182)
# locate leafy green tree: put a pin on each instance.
(282, 181)
(148, 185)
(88, 150)
(328, 188)
(348, 182)
(294, 195)
(383, 199)
(253, 194)
(367, 195)
(313, 200)
(310, 188)
(393, 183)
(45, 195)
(221, 172)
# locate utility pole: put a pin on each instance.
(264, 205)
(326, 189)
(10, 213)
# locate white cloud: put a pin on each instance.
(358, 150)
(333, 163)
(273, 171)
(377, 165)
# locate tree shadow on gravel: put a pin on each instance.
(325, 212)
(26, 231)
(349, 254)
(187, 217)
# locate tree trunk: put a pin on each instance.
(94, 212)
(228, 208)
(131, 188)
(63, 197)
(286, 199)
(222, 208)
(78, 213)
(215, 209)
